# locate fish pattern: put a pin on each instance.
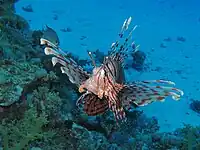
(92, 105)
(69, 67)
(105, 88)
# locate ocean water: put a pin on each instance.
(168, 32)
(100, 21)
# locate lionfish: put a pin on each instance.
(105, 87)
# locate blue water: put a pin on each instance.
(168, 32)
(100, 21)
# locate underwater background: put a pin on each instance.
(38, 103)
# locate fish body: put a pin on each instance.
(105, 87)
(51, 35)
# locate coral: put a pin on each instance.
(195, 106)
(17, 134)
(17, 41)
(88, 139)
(191, 137)
(36, 35)
(14, 77)
(7, 7)
(14, 21)
(130, 134)
(184, 138)
(19, 78)
(49, 102)
(16, 44)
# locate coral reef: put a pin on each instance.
(7, 7)
(17, 134)
(14, 78)
(195, 106)
(17, 40)
(37, 102)
(49, 101)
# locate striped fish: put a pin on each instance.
(105, 88)
(108, 82)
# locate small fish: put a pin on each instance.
(55, 17)
(68, 29)
(51, 35)
(27, 8)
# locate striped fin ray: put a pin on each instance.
(48, 43)
(65, 57)
(114, 102)
(120, 49)
(114, 69)
(75, 72)
(116, 107)
(51, 49)
(92, 105)
(145, 92)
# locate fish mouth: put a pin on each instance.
(81, 89)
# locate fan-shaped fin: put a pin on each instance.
(75, 72)
(92, 105)
(146, 92)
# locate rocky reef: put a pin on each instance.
(37, 103)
